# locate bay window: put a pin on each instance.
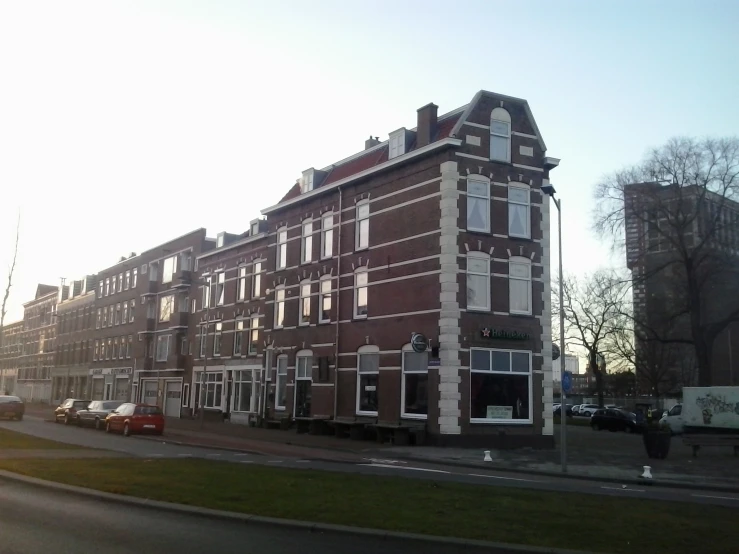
(304, 303)
(279, 307)
(281, 248)
(500, 386)
(281, 385)
(519, 209)
(500, 135)
(414, 388)
(478, 205)
(368, 373)
(519, 285)
(478, 281)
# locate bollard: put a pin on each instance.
(487, 457)
(647, 472)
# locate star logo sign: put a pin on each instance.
(486, 332)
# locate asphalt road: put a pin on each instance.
(33, 519)
(148, 448)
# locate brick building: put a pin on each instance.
(33, 381)
(11, 350)
(440, 231)
(75, 323)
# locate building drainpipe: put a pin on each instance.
(338, 301)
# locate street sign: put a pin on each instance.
(567, 382)
(555, 352)
(419, 343)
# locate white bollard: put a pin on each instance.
(487, 457)
(647, 472)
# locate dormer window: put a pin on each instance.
(220, 239)
(254, 228)
(306, 183)
(397, 143)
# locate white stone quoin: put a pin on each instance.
(546, 319)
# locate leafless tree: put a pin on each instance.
(593, 308)
(9, 284)
(681, 213)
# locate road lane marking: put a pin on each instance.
(499, 477)
(246, 462)
(405, 467)
(716, 497)
(274, 461)
(622, 489)
(241, 454)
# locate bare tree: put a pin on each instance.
(676, 209)
(8, 286)
(593, 309)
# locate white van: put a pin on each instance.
(673, 419)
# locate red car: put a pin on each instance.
(132, 418)
(12, 407)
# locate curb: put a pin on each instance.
(595, 478)
(467, 545)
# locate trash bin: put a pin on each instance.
(657, 442)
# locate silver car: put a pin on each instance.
(96, 412)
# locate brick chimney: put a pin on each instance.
(370, 142)
(426, 124)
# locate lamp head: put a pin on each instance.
(548, 189)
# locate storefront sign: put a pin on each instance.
(434, 363)
(499, 412)
(488, 333)
(112, 371)
(419, 342)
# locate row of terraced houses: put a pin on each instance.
(406, 285)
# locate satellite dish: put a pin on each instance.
(555, 352)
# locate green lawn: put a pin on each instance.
(13, 440)
(590, 523)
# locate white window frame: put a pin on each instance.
(96, 351)
(359, 220)
(523, 262)
(241, 283)
(162, 352)
(500, 115)
(486, 258)
(511, 421)
(324, 294)
(217, 339)
(281, 374)
(166, 315)
(408, 349)
(396, 144)
(306, 241)
(253, 335)
(327, 235)
(306, 182)
(242, 377)
(203, 341)
(357, 286)
(279, 322)
(281, 253)
(238, 337)
(220, 299)
(129, 346)
(527, 205)
(131, 306)
(365, 351)
(213, 380)
(134, 277)
(127, 282)
(485, 198)
(206, 292)
(124, 316)
(305, 301)
(256, 280)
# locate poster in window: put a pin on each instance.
(499, 412)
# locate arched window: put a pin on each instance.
(368, 373)
(519, 210)
(478, 281)
(519, 285)
(304, 302)
(414, 395)
(500, 135)
(281, 248)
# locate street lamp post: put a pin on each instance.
(549, 189)
(201, 400)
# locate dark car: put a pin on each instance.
(568, 411)
(614, 420)
(133, 418)
(67, 410)
(12, 407)
(95, 413)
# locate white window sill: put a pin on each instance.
(519, 313)
(481, 310)
(485, 231)
(280, 408)
(423, 417)
(370, 414)
(479, 421)
(363, 316)
(307, 324)
(510, 235)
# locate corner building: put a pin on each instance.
(441, 230)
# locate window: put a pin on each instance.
(96, 351)
(203, 340)
(306, 183)
(327, 235)
(303, 381)
(124, 318)
(306, 250)
(114, 354)
(254, 228)
(129, 347)
(184, 304)
(478, 281)
(368, 368)
(109, 351)
(217, 335)
(500, 385)
(500, 135)
(518, 212)
(166, 308)
(415, 383)
(105, 316)
(206, 292)
(127, 282)
(151, 309)
(113, 284)
(134, 278)
(242, 391)
(241, 284)
(305, 303)
(186, 395)
(107, 287)
(478, 205)
(325, 308)
(256, 281)
(281, 248)
(130, 313)
(162, 348)
(281, 385)
(183, 345)
(279, 307)
(117, 314)
(100, 291)
(519, 285)
(238, 335)
(362, 226)
(221, 289)
(169, 268)
(119, 288)
(360, 293)
(99, 319)
(397, 144)
(254, 334)
(213, 390)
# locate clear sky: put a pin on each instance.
(125, 124)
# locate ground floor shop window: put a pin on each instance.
(213, 391)
(242, 391)
(368, 373)
(500, 386)
(415, 383)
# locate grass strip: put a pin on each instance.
(14, 440)
(576, 521)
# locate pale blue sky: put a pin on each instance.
(213, 108)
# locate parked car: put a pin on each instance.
(558, 410)
(95, 413)
(614, 420)
(67, 410)
(575, 409)
(132, 418)
(12, 407)
(588, 410)
(673, 419)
